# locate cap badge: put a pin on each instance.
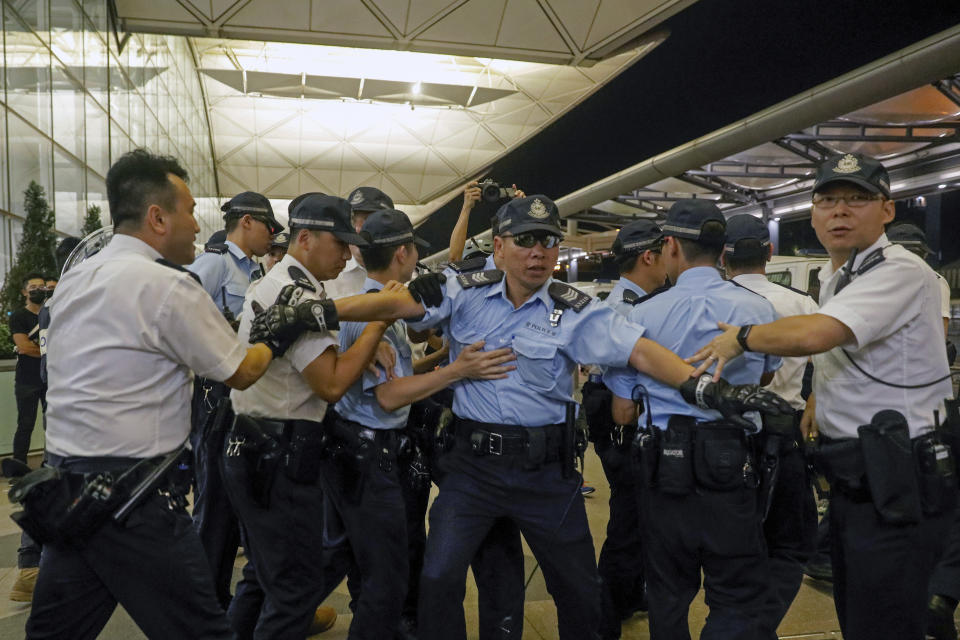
(357, 197)
(538, 210)
(847, 164)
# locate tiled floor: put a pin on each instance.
(812, 616)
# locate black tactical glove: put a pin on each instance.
(282, 323)
(732, 400)
(427, 289)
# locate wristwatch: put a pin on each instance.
(742, 336)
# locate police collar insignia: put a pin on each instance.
(357, 197)
(538, 210)
(847, 164)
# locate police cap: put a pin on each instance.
(365, 199)
(326, 213)
(253, 204)
(861, 170)
(686, 218)
(533, 213)
(910, 236)
(637, 237)
(389, 227)
(281, 239)
(747, 237)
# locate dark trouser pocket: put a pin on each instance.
(675, 466)
(719, 458)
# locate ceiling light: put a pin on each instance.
(941, 186)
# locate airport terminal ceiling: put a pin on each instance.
(524, 90)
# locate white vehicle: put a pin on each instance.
(797, 272)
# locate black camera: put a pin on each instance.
(490, 191)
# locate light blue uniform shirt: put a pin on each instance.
(683, 319)
(359, 403)
(615, 299)
(226, 276)
(535, 394)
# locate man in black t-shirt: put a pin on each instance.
(28, 386)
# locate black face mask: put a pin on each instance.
(37, 295)
(48, 294)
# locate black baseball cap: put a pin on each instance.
(865, 172)
(910, 236)
(293, 203)
(686, 218)
(747, 237)
(389, 227)
(533, 213)
(254, 204)
(326, 213)
(364, 199)
(637, 237)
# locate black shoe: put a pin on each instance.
(13, 468)
(940, 625)
(819, 571)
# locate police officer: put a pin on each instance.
(945, 583)
(363, 480)
(508, 434)
(705, 522)
(363, 201)
(127, 327)
(226, 270)
(880, 373)
(272, 459)
(278, 249)
(791, 516)
(636, 251)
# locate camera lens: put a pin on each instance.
(491, 192)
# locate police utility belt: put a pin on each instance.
(536, 446)
(362, 445)
(68, 502)
(905, 478)
(690, 455)
(291, 447)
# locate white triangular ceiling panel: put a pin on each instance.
(478, 18)
(526, 26)
(614, 15)
(576, 15)
(329, 178)
(395, 11)
(288, 184)
(353, 179)
(345, 17)
(267, 176)
(422, 11)
(272, 14)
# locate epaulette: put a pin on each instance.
(217, 247)
(786, 286)
(300, 278)
(571, 297)
(167, 263)
(745, 288)
(471, 264)
(479, 278)
(631, 297)
(655, 292)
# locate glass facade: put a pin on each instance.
(76, 95)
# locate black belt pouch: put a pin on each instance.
(889, 466)
(937, 475)
(719, 454)
(307, 445)
(675, 467)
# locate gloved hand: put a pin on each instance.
(427, 290)
(283, 322)
(732, 400)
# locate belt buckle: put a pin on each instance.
(233, 446)
(495, 444)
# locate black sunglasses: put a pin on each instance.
(529, 238)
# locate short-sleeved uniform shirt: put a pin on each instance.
(226, 276)
(788, 381)
(615, 299)
(536, 393)
(894, 312)
(126, 334)
(283, 393)
(359, 403)
(28, 368)
(683, 319)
